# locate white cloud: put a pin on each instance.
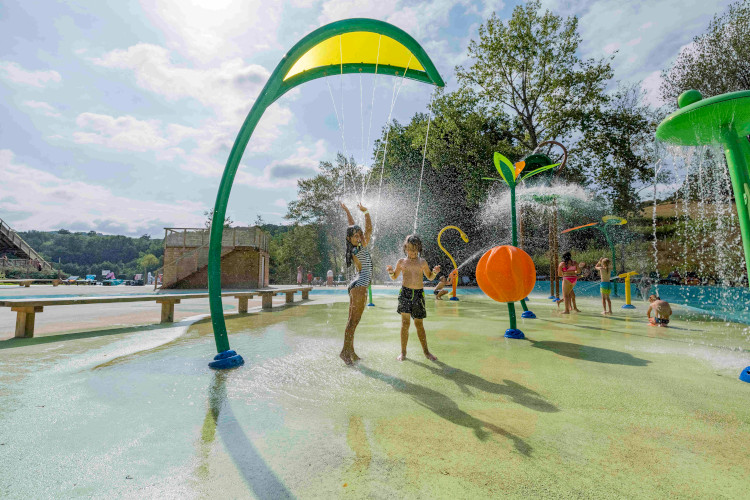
(303, 163)
(50, 202)
(15, 73)
(126, 133)
(43, 107)
(216, 30)
(229, 89)
(662, 28)
(650, 86)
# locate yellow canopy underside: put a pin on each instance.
(357, 47)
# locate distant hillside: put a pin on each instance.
(90, 253)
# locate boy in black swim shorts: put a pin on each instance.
(411, 302)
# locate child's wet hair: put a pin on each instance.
(567, 257)
(351, 231)
(605, 261)
(414, 241)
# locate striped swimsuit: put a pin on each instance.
(365, 274)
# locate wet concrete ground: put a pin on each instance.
(586, 406)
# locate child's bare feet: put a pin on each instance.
(401, 356)
(345, 356)
(604, 313)
(430, 356)
(577, 310)
(565, 312)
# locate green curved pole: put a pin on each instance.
(514, 241)
(737, 153)
(273, 90)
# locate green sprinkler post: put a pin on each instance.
(280, 82)
(725, 120)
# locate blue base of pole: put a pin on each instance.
(453, 298)
(557, 300)
(745, 375)
(628, 306)
(370, 305)
(528, 315)
(225, 360)
(551, 297)
(514, 333)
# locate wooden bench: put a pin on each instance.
(26, 309)
(268, 294)
(27, 282)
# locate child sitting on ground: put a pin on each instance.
(605, 287)
(411, 299)
(440, 289)
(662, 311)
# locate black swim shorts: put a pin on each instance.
(660, 321)
(411, 301)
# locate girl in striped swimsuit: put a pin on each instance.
(356, 253)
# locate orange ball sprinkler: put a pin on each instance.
(453, 274)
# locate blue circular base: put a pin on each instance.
(528, 315)
(514, 333)
(225, 360)
(453, 298)
(526, 299)
(370, 305)
(745, 375)
(557, 300)
(628, 306)
(551, 297)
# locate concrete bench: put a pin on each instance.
(27, 282)
(26, 309)
(268, 294)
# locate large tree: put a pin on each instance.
(717, 61)
(616, 148)
(529, 66)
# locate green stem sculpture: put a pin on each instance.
(347, 46)
(511, 175)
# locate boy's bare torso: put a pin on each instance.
(412, 269)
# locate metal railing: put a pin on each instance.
(24, 247)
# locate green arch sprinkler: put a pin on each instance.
(725, 120)
(347, 46)
(722, 119)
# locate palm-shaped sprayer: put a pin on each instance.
(511, 175)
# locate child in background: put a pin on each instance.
(440, 289)
(605, 287)
(411, 299)
(662, 311)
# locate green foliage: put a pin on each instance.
(148, 262)
(90, 253)
(616, 148)
(717, 61)
(529, 64)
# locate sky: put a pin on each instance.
(118, 117)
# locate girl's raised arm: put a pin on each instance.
(368, 225)
(348, 214)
